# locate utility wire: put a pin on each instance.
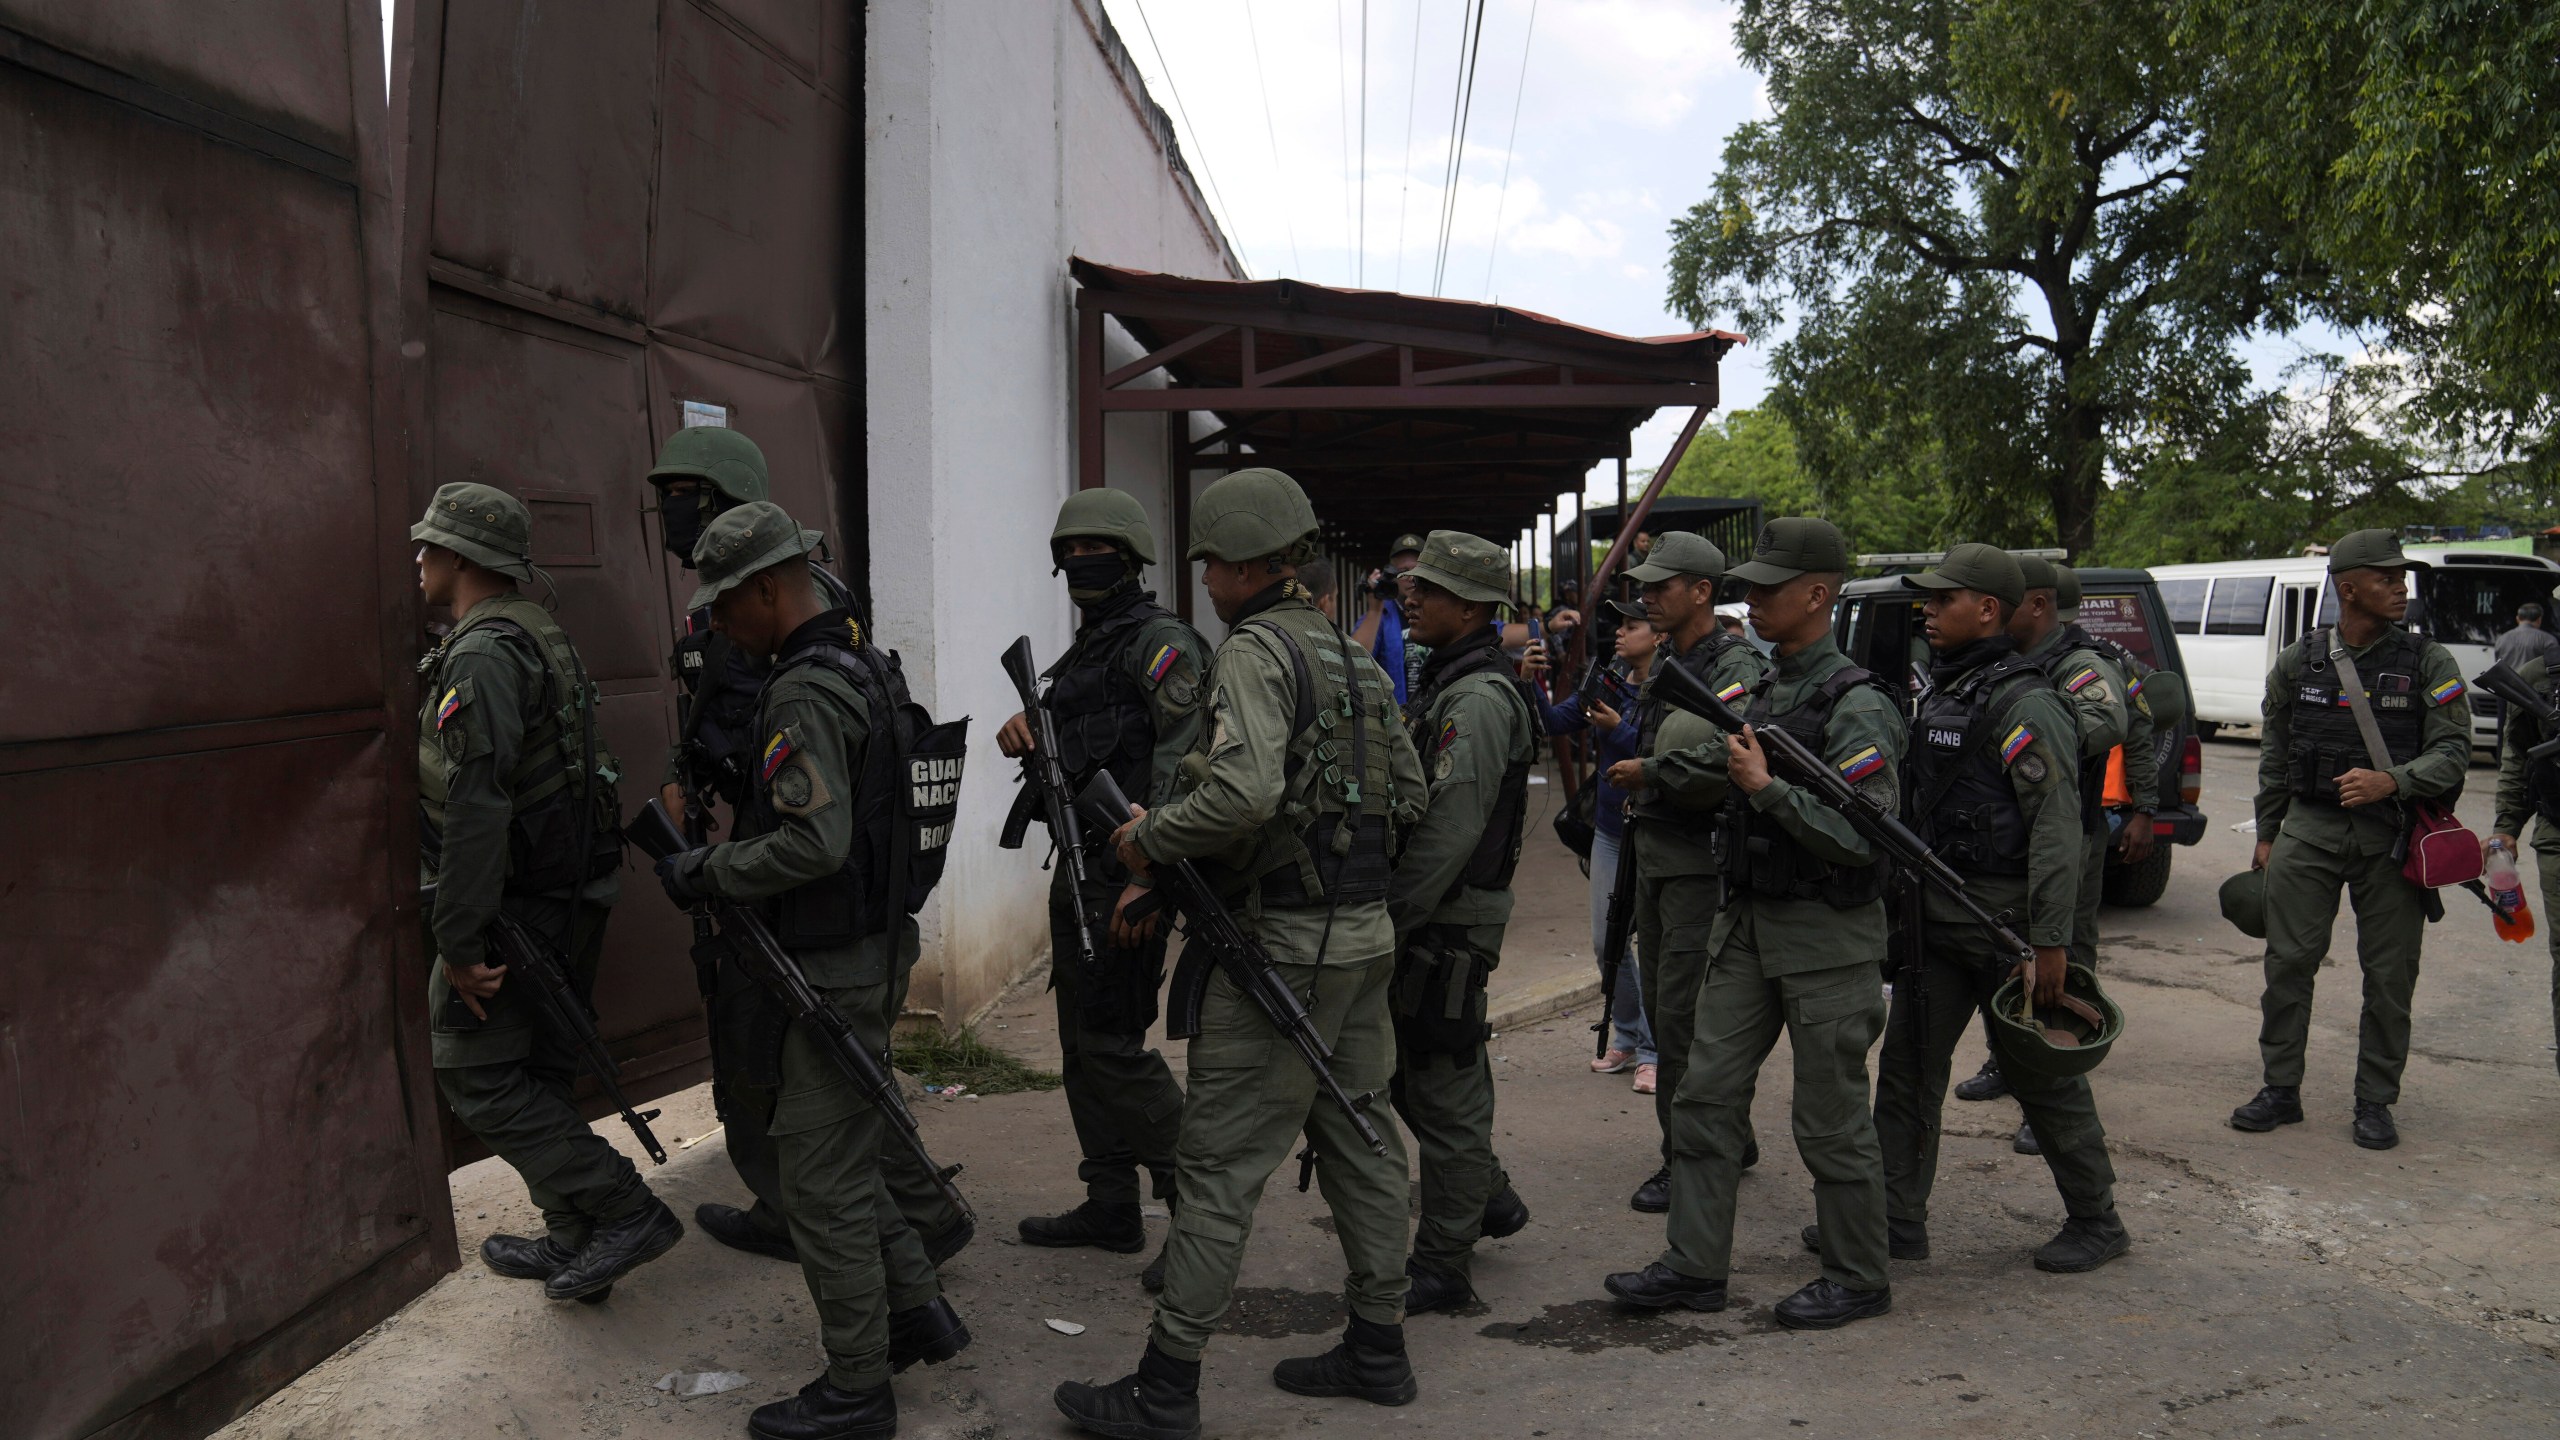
(1198, 150)
(1254, 32)
(1342, 116)
(1360, 257)
(1510, 146)
(1472, 49)
(1404, 157)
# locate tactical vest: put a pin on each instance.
(2092, 771)
(552, 844)
(1960, 799)
(1497, 852)
(716, 720)
(1100, 710)
(1758, 853)
(905, 797)
(2326, 742)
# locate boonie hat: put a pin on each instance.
(1972, 566)
(1677, 553)
(2369, 550)
(1794, 545)
(741, 541)
(2244, 902)
(1405, 544)
(719, 457)
(1466, 566)
(481, 523)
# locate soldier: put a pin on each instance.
(1678, 785)
(702, 471)
(2530, 789)
(2329, 818)
(1450, 902)
(1991, 786)
(1303, 746)
(813, 841)
(1125, 697)
(519, 813)
(1798, 946)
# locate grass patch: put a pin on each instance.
(958, 1057)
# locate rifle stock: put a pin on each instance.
(1614, 930)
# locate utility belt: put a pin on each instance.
(1438, 998)
(1337, 869)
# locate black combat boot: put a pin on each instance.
(940, 1246)
(744, 1230)
(822, 1412)
(1505, 1215)
(1987, 1083)
(520, 1259)
(2374, 1130)
(1653, 1197)
(930, 1332)
(2084, 1243)
(1434, 1288)
(1903, 1239)
(1825, 1305)
(1160, 1402)
(616, 1249)
(2024, 1142)
(2273, 1106)
(1659, 1287)
(1116, 1228)
(1369, 1365)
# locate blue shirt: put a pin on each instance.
(1565, 717)
(1388, 648)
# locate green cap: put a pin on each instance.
(2037, 572)
(1986, 568)
(1406, 544)
(742, 540)
(1113, 515)
(1676, 553)
(483, 524)
(2066, 589)
(2244, 902)
(717, 456)
(1793, 545)
(1467, 567)
(2369, 550)
(1250, 514)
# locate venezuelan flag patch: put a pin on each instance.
(1733, 692)
(776, 750)
(1861, 765)
(2081, 681)
(1161, 662)
(1448, 736)
(2018, 740)
(2133, 687)
(2445, 693)
(444, 709)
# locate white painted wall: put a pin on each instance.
(1003, 137)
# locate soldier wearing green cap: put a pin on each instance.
(1797, 947)
(1291, 798)
(1678, 788)
(2332, 816)
(1992, 786)
(520, 816)
(1125, 697)
(703, 471)
(812, 844)
(1479, 732)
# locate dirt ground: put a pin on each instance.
(2287, 1282)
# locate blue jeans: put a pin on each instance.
(1628, 1028)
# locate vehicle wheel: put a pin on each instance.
(2205, 729)
(2130, 887)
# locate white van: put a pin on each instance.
(2232, 616)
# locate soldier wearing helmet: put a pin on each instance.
(1125, 697)
(1292, 795)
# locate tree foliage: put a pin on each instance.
(1751, 454)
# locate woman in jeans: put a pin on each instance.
(1613, 735)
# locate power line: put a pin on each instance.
(1509, 147)
(1360, 257)
(1197, 149)
(1472, 49)
(1404, 157)
(1254, 32)
(1342, 115)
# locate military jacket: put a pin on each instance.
(717, 740)
(2528, 788)
(2024, 745)
(2141, 726)
(2094, 687)
(1477, 732)
(1128, 696)
(2443, 749)
(1684, 760)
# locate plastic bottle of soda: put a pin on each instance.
(2506, 894)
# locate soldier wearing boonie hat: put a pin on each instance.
(2331, 817)
(1450, 900)
(1991, 787)
(516, 792)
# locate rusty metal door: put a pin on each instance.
(219, 1156)
(619, 212)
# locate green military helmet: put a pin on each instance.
(2066, 1039)
(1467, 567)
(719, 457)
(1113, 515)
(2244, 902)
(1250, 514)
(481, 523)
(743, 540)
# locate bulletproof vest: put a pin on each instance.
(2092, 771)
(2325, 742)
(716, 719)
(1328, 844)
(566, 826)
(1097, 705)
(906, 794)
(1497, 852)
(1960, 799)
(1758, 853)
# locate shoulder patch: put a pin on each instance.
(776, 751)
(2018, 739)
(1861, 765)
(1161, 663)
(2446, 693)
(1448, 735)
(1732, 692)
(451, 702)
(2087, 676)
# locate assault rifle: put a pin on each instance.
(1614, 930)
(752, 945)
(532, 961)
(1045, 783)
(1214, 937)
(2514, 692)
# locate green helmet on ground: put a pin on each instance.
(719, 457)
(1112, 515)
(1250, 514)
(2064, 1040)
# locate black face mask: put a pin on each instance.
(680, 518)
(1093, 577)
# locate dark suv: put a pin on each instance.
(1879, 628)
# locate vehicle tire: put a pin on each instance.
(2130, 887)
(2205, 729)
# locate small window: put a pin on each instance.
(2184, 600)
(2239, 605)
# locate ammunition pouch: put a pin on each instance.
(1439, 997)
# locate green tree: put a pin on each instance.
(1751, 454)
